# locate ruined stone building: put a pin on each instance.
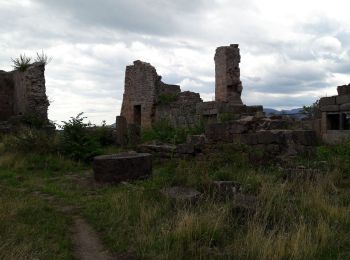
(148, 100)
(333, 123)
(23, 93)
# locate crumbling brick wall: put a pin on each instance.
(228, 86)
(140, 93)
(148, 100)
(23, 93)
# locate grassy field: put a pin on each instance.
(297, 216)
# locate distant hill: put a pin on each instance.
(296, 112)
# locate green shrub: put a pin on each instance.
(167, 98)
(163, 131)
(104, 134)
(76, 141)
(227, 117)
(336, 155)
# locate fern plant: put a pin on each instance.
(21, 63)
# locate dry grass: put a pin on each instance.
(296, 218)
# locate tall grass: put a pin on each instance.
(299, 217)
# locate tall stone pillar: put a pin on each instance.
(228, 86)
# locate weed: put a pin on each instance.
(22, 63)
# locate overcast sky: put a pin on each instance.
(293, 52)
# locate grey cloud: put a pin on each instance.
(158, 17)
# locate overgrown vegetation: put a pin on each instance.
(43, 58)
(163, 131)
(21, 63)
(77, 140)
(296, 216)
(311, 111)
(167, 98)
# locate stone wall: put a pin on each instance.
(30, 92)
(218, 111)
(273, 135)
(23, 93)
(148, 100)
(182, 112)
(228, 86)
(333, 125)
(6, 95)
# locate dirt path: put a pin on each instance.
(87, 245)
(86, 242)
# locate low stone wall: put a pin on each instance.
(336, 136)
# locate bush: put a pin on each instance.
(76, 141)
(104, 134)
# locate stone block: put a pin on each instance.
(185, 149)
(345, 107)
(326, 101)
(237, 128)
(330, 108)
(121, 131)
(272, 148)
(343, 99)
(159, 150)
(269, 137)
(305, 137)
(116, 168)
(254, 109)
(181, 194)
(198, 141)
(343, 90)
(216, 132)
(226, 188)
(134, 134)
(248, 139)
